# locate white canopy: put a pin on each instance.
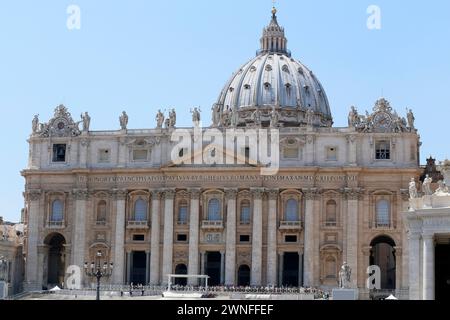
(55, 289)
(391, 297)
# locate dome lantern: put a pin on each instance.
(273, 38)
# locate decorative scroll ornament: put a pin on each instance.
(61, 125)
(383, 119)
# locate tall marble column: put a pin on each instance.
(147, 267)
(84, 145)
(309, 272)
(280, 268)
(119, 237)
(222, 267)
(194, 223)
(272, 238)
(230, 260)
(256, 270)
(79, 233)
(169, 196)
(428, 267)
(202, 263)
(414, 266)
(155, 238)
(32, 281)
(129, 266)
(351, 232)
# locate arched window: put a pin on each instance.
(383, 218)
(57, 214)
(140, 210)
(245, 212)
(214, 210)
(101, 211)
(330, 267)
(182, 212)
(291, 213)
(331, 213)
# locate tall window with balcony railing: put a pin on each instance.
(291, 213)
(214, 213)
(101, 212)
(331, 214)
(245, 212)
(182, 212)
(383, 216)
(57, 214)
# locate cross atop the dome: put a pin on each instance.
(274, 9)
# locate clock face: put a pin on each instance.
(382, 120)
(61, 125)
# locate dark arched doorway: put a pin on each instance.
(244, 275)
(383, 256)
(56, 265)
(181, 269)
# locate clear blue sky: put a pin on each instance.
(143, 55)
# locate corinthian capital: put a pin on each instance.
(311, 193)
(156, 194)
(33, 195)
(273, 193)
(80, 194)
(231, 193)
(169, 194)
(119, 194)
(353, 193)
(257, 192)
(195, 193)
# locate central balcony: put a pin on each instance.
(290, 225)
(212, 225)
(55, 224)
(137, 224)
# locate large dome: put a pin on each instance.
(273, 82)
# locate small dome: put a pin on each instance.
(273, 80)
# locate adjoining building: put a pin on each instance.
(338, 195)
(12, 262)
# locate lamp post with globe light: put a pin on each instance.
(98, 271)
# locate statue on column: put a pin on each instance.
(35, 124)
(411, 119)
(195, 116)
(159, 119)
(123, 121)
(216, 114)
(3, 269)
(353, 117)
(345, 276)
(426, 187)
(172, 118)
(234, 117)
(86, 119)
(442, 190)
(413, 189)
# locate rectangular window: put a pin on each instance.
(244, 238)
(103, 155)
(140, 155)
(182, 237)
(383, 150)
(290, 239)
(138, 237)
(182, 214)
(290, 153)
(59, 153)
(331, 154)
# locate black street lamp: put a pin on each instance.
(98, 271)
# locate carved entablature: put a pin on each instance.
(382, 120)
(61, 125)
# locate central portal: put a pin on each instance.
(213, 262)
(443, 272)
(138, 269)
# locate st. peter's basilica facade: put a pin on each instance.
(337, 197)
